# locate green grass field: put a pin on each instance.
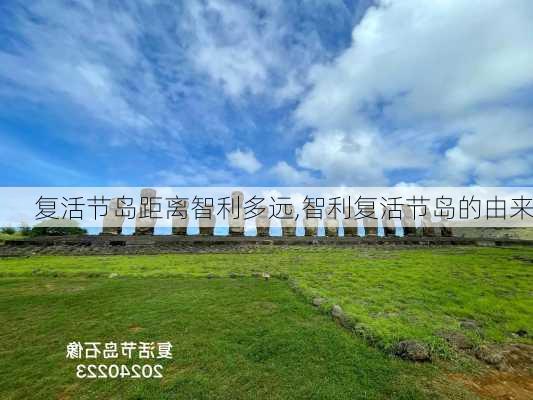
(233, 338)
(250, 338)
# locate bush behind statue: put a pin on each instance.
(60, 227)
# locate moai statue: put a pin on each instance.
(331, 223)
(371, 226)
(288, 224)
(112, 223)
(145, 221)
(207, 221)
(310, 221)
(445, 229)
(428, 229)
(408, 221)
(180, 220)
(349, 223)
(262, 222)
(389, 228)
(236, 222)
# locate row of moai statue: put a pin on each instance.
(112, 224)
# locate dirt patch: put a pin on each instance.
(499, 385)
(511, 375)
(68, 392)
(135, 328)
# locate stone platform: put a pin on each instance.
(127, 244)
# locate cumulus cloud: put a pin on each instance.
(441, 81)
(86, 58)
(357, 157)
(428, 92)
(249, 49)
(289, 175)
(163, 76)
(244, 159)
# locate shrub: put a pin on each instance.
(60, 227)
(25, 230)
(8, 230)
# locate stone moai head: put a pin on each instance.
(445, 228)
(331, 222)
(428, 226)
(310, 223)
(349, 223)
(144, 222)
(207, 225)
(262, 222)
(408, 222)
(236, 219)
(288, 224)
(389, 228)
(180, 221)
(112, 223)
(371, 226)
(407, 213)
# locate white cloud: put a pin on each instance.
(241, 64)
(250, 48)
(155, 74)
(356, 157)
(422, 76)
(441, 89)
(244, 159)
(292, 176)
(82, 56)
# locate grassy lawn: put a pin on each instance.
(392, 294)
(232, 338)
(250, 338)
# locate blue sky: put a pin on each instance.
(314, 92)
